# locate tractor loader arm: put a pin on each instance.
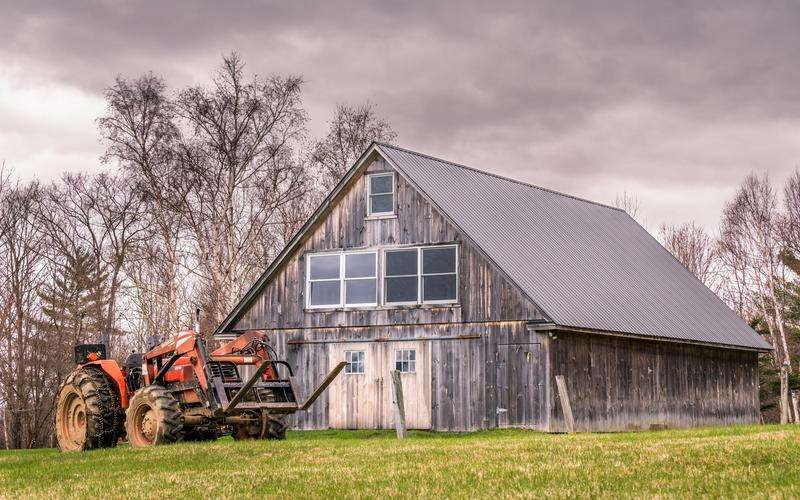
(323, 385)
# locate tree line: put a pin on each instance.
(202, 187)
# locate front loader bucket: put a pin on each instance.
(286, 407)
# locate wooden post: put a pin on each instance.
(784, 394)
(566, 408)
(399, 406)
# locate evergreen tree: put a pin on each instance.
(74, 304)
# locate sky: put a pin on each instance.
(672, 102)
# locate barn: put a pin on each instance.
(501, 303)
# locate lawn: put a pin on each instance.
(733, 461)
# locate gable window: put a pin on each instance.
(426, 275)
(405, 360)
(342, 279)
(355, 362)
(380, 194)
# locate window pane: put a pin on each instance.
(324, 267)
(401, 262)
(381, 203)
(355, 361)
(360, 291)
(438, 260)
(325, 293)
(439, 287)
(359, 265)
(401, 289)
(380, 184)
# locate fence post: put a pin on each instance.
(566, 407)
(399, 406)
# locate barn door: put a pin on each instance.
(355, 396)
(413, 361)
(518, 385)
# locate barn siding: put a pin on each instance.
(484, 291)
(464, 374)
(618, 384)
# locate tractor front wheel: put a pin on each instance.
(87, 412)
(153, 417)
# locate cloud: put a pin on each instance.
(674, 100)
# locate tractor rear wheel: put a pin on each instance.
(275, 428)
(153, 417)
(87, 412)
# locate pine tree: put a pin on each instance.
(74, 304)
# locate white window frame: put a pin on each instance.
(369, 177)
(411, 363)
(341, 279)
(419, 300)
(421, 274)
(350, 363)
(384, 277)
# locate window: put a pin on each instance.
(355, 362)
(342, 279)
(405, 360)
(401, 278)
(380, 194)
(425, 275)
(324, 280)
(439, 278)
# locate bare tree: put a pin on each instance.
(140, 134)
(749, 229)
(352, 129)
(629, 203)
(694, 248)
(27, 374)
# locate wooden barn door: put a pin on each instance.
(416, 379)
(355, 396)
(518, 385)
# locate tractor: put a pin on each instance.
(179, 391)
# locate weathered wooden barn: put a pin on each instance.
(484, 291)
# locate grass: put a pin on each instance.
(741, 461)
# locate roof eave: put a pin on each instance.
(550, 326)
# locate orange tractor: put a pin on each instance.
(178, 391)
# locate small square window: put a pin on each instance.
(355, 362)
(380, 194)
(405, 360)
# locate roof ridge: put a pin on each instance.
(509, 179)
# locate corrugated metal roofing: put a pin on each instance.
(585, 264)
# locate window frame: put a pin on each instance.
(363, 362)
(342, 280)
(412, 363)
(384, 277)
(420, 275)
(393, 192)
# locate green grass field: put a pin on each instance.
(734, 461)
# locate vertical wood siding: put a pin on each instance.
(618, 384)
(484, 292)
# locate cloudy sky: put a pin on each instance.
(673, 101)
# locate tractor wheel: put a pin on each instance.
(153, 417)
(87, 411)
(275, 429)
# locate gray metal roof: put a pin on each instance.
(587, 265)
